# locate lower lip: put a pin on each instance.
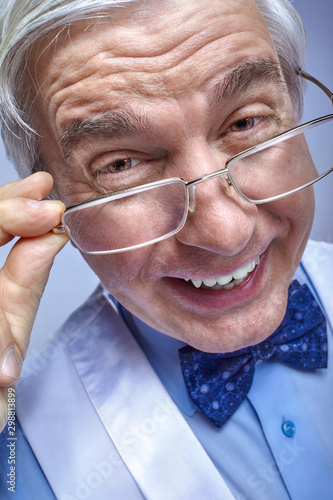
(202, 298)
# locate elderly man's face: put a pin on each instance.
(159, 68)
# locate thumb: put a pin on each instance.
(22, 282)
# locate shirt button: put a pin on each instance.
(288, 428)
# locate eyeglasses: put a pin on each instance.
(277, 167)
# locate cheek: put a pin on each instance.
(122, 274)
(300, 210)
(297, 211)
(303, 219)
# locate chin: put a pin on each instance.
(239, 330)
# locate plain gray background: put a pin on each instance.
(71, 280)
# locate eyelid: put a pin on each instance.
(137, 161)
(244, 116)
(256, 109)
(100, 161)
(256, 119)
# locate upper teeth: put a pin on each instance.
(239, 275)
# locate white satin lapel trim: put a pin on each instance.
(72, 446)
(318, 263)
(149, 432)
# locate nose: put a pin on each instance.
(220, 220)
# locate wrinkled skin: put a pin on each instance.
(167, 77)
(161, 74)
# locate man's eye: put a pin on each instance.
(244, 124)
(119, 166)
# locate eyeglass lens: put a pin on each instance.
(129, 220)
(286, 165)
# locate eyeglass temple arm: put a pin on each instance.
(59, 229)
(314, 80)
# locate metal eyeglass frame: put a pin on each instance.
(189, 186)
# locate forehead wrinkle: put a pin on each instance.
(111, 124)
(244, 75)
(159, 54)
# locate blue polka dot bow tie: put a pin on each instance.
(219, 383)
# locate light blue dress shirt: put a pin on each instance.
(267, 430)
(284, 458)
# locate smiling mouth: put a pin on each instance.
(228, 281)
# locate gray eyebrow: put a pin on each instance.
(111, 124)
(246, 74)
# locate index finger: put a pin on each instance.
(18, 203)
(37, 186)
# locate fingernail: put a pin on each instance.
(10, 365)
(39, 204)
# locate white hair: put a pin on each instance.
(23, 23)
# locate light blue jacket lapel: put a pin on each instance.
(98, 396)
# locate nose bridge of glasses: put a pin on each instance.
(223, 177)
